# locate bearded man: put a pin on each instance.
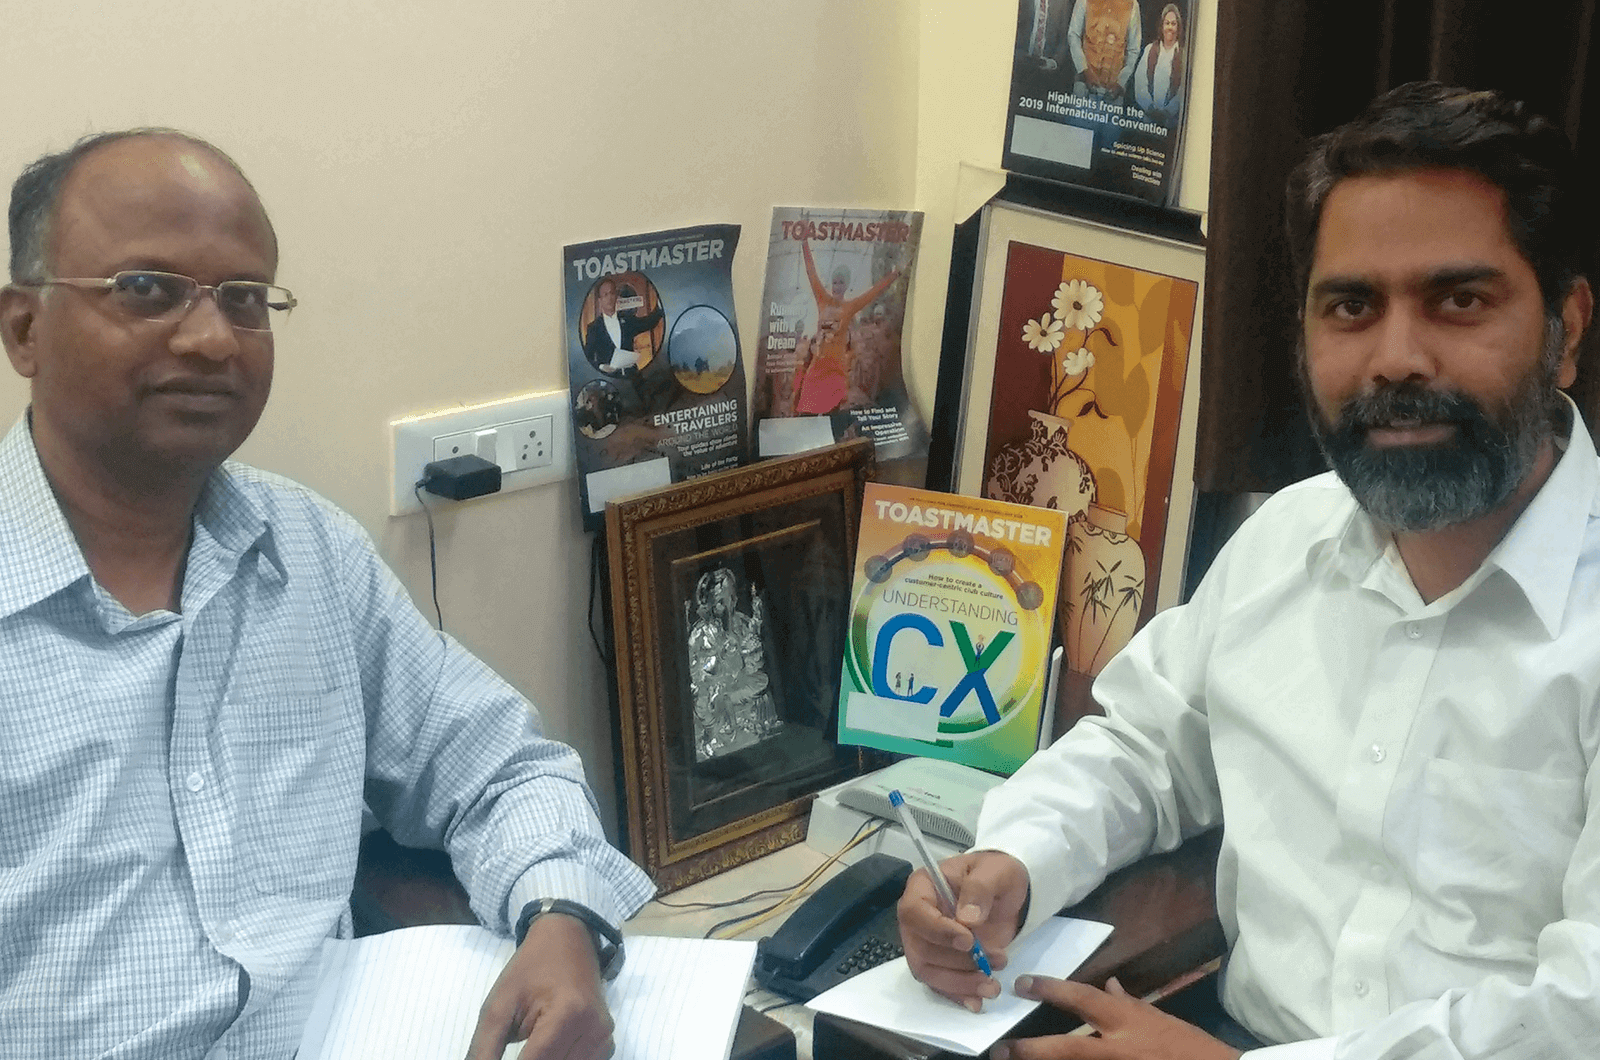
(1387, 688)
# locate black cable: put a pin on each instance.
(433, 556)
(881, 825)
(594, 583)
(753, 895)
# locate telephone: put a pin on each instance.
(847, 927)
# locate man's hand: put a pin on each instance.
(1129, 1028)
(990, 888)
(549, 994)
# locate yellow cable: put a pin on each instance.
(799, 888)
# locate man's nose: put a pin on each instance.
(1401, 349)
(204, 330)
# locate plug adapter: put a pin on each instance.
(461, 477)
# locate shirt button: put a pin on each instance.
(1413, 630)
(195, 782)
(1378, 753)
(1360, 988)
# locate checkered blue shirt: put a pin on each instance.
(182, 793)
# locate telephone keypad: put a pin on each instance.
(870, 954)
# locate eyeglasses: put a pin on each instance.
(249, 305)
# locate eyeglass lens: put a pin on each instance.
(247, 304)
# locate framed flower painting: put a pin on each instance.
(1080, 379)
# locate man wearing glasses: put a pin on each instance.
(206, 669)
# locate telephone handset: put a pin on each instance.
(847, 927)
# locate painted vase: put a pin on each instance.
(1042, 471)
(1105, 588)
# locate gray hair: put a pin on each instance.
(36, 196)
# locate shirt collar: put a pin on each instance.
(1539, 552)
(235, 521)
(43, 555)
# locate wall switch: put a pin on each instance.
(486, 443)
(528, 436)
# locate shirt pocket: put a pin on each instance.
(299, 768)
(1494, 847)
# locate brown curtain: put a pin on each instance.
(1287, 70)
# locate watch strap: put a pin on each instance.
(607, 939)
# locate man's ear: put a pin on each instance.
(1577, 309)
(19, 309)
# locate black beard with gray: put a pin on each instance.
(1415, 488)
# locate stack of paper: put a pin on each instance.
(414, 994)
(888, 997)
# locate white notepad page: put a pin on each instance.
(414, 994)
(888, 997)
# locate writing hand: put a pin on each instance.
(1129, 1029)
(990, 888)
(550, 995)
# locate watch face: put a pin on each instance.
(610, 961)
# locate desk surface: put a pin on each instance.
(784, 868)
(1163, 908)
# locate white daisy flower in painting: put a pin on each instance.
(1078, 304)
(1043, 334)
(1079, 360)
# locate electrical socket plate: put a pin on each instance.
(532, 443)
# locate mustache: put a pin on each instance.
(1410, 403)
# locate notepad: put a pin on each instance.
(888, 997)
(414, 994)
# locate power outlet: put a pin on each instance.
(453, 445)
(528, 436)
(531, 442)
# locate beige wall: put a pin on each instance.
(424, 163)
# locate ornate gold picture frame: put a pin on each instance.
(730, 598)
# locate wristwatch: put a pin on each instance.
(607, 939)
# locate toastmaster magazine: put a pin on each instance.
(828, 356)
(1098, 89)
(658, 393)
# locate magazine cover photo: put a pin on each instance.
(828, 363)
(653, 360)
(1098, 90)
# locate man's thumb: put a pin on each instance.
(974, 897)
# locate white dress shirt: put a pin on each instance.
(620, 358)
(1151, 93)
(1411, 859)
